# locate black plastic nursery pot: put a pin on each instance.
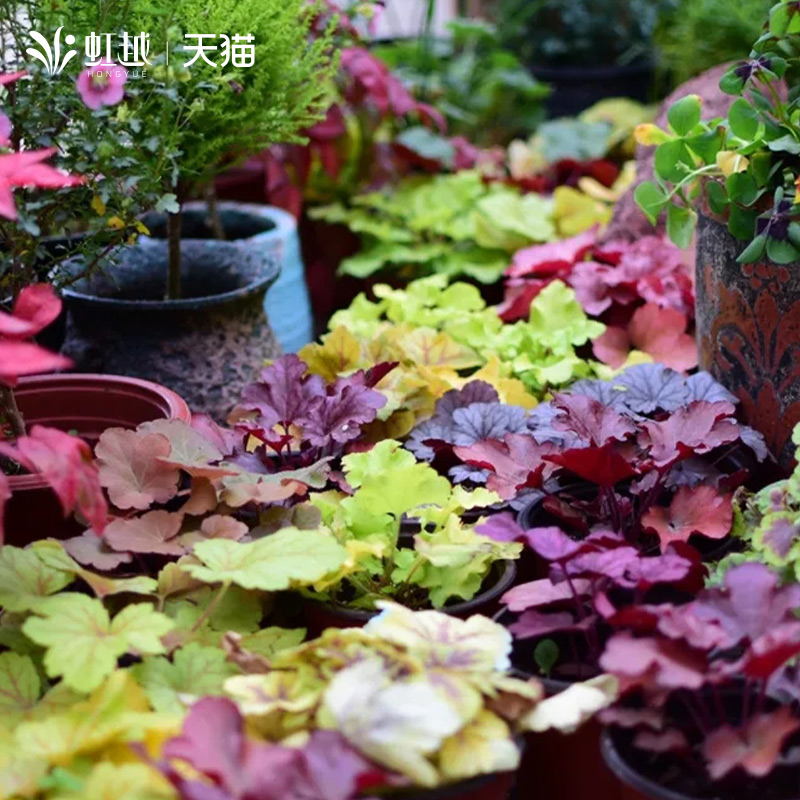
(87, 405)
(484, 787)
(574, 89)
(207, 345)
(319, 616)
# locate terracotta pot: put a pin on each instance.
(320, 616)
(635, 785)
(87, 404)
(207, 345)
(748, 334)
(486, 787)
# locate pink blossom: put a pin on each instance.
(26, 169)
(102, 85)
(5, 130)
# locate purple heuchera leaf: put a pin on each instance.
(480, 421)
(472, 392)
(593, 422)
(702, 386)
(604, 392)
(339, 415)
(466, 473)
(284, 393)
(501, 527)
(652, 386)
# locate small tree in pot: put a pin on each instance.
(738, 175)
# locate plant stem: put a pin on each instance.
(211, 607)
(11, 413)
(174, 251)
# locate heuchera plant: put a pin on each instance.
(447, 559)
(640, 455)
(712, 682)
(445, 336)
(642, 291)
(743, 165)
(592, 583)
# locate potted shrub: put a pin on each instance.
(202, 271)
(737, 176)
(709, 702)
(586, 50)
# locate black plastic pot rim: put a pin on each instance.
(630, 777)
(503, 584)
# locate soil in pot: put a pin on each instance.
(319, 616)
(748, 329)
(88, 405)
(650, 776)
(207, 345)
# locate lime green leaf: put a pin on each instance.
(108, 781)
(681, 222)
(19, 688)
(269, 641)
(195, 671)
(270, 564)
(556, 314)
(25, 578)
(83, 643)
(744, 120)
(651, 199)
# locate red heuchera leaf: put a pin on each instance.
(604, 466)
(34, 309)
(552, 259)
(542, 593)
(696, 429)
(516, 462)
(213, 742)
(593, 421)
(153, 532)
(702, 510)
(131, 468)
(661, 333)
(656, 663)
(65, 462)
(612, 347)
(754, 747)
(90, 549)
(26, 169)
(772, 650)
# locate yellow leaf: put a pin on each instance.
(426, 346)
(98, 206)
(730, 162)
(576, 212)
(649, 135)
(483, 747)
(116, 223)
(338, 354)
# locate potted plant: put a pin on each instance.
(561, 622)
(586, 50)
(737, 176)
(46, 474)
(643, 455)
(200, 272)
(708, 702)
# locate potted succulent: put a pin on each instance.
(708, 702)
(737, 176)
(585, 50)
(201, 271)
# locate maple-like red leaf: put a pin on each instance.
(603, 466)
(553, 257)
(702, 510)
(65, 462)
(26, 358)
(592, 421)
(34, 309)
(754, 746)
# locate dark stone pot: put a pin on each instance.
(207, 345)
(748, 334)
(577, 88)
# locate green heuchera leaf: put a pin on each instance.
(507, 221)
(270, 564)
(557, 318)
(20, 687)
(83, 643)
(269, 641)
(25, 578)
(195, 671)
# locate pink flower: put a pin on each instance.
(5, 130)
(102, 85)
(26, 169)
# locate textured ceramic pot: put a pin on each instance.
(748, 334)
(208, 344)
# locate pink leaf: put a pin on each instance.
(661, 333)
(153, 532)
(35, 308)
(26, 358)
(91, 550)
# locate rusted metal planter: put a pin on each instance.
(748, 334)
